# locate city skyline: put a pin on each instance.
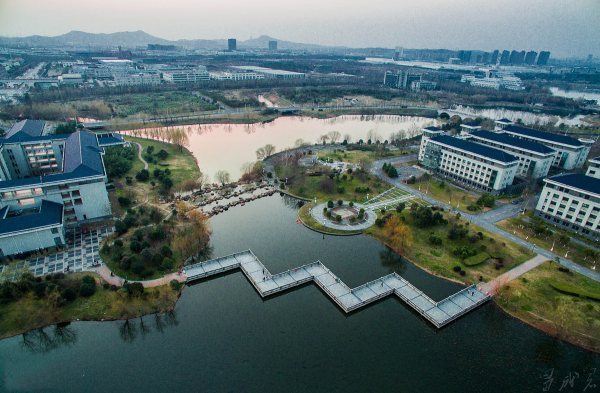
(529, 25)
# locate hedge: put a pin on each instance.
(572, 290)
(477, 259)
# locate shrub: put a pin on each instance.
(175, 285)
(457, 268)
(325, 209)
(351, 204)
(486, 200)
(137, 267)
(330, 204)
(477, 259)
(166, 251)
(338, 218)
(143, 175)
(87, 289)
(162, 154)
(462, 273)
(135, 246)
(435, 240)
(340, 202)
(68, 294)
(167, 264)
(124, 201)
(341, 190)
(134, 288)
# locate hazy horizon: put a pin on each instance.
(564, 28)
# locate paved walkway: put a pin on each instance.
(492, 287)
(104, 272)
(317, 213)
(485, 223)
(140, 150)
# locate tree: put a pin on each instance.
(334, 136)
(179, 137)
(401, 206)
(143, 175)
(192, 238)
(397, 233)
(324, 138)
(265, 151)
(223, 177)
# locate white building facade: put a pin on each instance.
(572, 201)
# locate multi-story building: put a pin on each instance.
(543, 58)
(273, 45)
(535, 159)
(270, 73)
(570, 152)
(423, 86)
(235, 76)
(428, 133)
(530, 57)
(594, 168)
(49, 182)
(232, 44)
(186, 75)
(141, 78)
(471, 164)
(572, 201)
(401, 80)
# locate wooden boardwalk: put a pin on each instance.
(348, 299)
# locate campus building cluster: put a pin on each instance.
(49, 183)
(501, 160)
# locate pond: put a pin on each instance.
(224, 337)
(230, 146)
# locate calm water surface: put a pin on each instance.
(223, 338)
(230, 146)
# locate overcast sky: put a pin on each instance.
(565, 27)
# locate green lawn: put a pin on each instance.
(523, 229)
(447, 193)
(180, 162)
(440, 259)
(533, 299)
(30, 312)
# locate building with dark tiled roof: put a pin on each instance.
(570, 152)
(594, 168)
(535, 159)
(572, 201)
(472, 164)
(39, 172)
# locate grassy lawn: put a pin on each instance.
(440, 259)
(446, 192)
(31, 312)
(310, 187)
(304, 214)
(533, 300)
(360, 157)
(523, 229)
(141, 104)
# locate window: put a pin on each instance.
(26, 202)
(54, 230)
(78, 201)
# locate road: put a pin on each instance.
(486, 222)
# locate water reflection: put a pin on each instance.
(48, 338)
(392, 261)
(131, 329)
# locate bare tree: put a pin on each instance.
(334, 136)
(265, 151)
(323, 138)
(223, 177)
(347, 137)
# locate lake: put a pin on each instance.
(223, 337)
(230, 146)
(575, 94)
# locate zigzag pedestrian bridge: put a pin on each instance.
(438, 313)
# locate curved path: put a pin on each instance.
(317, 213)
(104, 272)
(140, 150)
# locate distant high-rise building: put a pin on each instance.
(517, 57)
(465, 56)
(530, 57)
(232, 44)
(543, 58)
(505, 58)
(391, 80)
(494, 57)
(272, 45)
(398, 53)
(401, 80)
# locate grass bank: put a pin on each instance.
(534, 299)
(310, 222)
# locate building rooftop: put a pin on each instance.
(49, 213)
(595, 160)
(503, 121)
(30, 128)
(506, 139)
(82, 158)
(548, 136)
(579, 181)
(475, 148)
(432, 128)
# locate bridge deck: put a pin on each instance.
(348, 299)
